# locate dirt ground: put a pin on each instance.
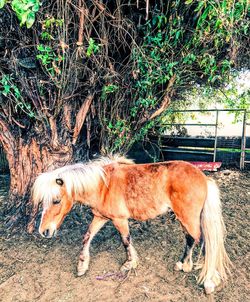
(36, 269)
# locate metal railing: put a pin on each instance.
(245, 123)
(243, 160)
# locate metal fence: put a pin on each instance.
(244, 144)
(214, 148)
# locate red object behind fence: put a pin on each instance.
(206, 166)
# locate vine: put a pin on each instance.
(9, 89)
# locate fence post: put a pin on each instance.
(243, 142)
(216, 135)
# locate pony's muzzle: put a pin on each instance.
(48, 234)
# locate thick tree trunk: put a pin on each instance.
(26, 161)
(46, 146)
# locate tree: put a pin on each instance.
(89, 75)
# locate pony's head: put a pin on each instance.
(58, 189)
(56, 202)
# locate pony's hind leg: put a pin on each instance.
(191, 227)
(83, 264)
(186, 262)
(132, 259)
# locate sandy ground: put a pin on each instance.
(36, 269)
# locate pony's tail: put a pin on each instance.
(217, 264)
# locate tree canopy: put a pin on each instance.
(111, 67)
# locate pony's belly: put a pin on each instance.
(149, 211)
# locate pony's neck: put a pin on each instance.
(88, 189)
(89, 199)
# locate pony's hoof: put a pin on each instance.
(81, 273)
(128, 265)
(209, 287)
(178, 266)
(82, 268)
(187, 267)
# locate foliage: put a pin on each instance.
(234, 94)
(9, 89)
(49, 59)
(49, 55)
(189, 42)
(133, 67)
(49, 26)
(92, 48)
(25, 10)
(2, 3)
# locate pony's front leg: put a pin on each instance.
(96, 224)
(132, 259)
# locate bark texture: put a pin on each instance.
(38, 150)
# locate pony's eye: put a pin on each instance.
(56, 201)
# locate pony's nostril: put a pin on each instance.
(46, 233)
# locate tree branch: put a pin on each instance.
(81, 24)
(81, 116)
(17, 123)
(67, 116)
(166, 100)
(165, 103)
(54, 133)
(102, 7)
(147, 9)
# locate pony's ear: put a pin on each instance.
(59, 181)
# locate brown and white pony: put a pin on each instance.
(117, 189)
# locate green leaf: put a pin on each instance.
(48, 48)
(6, 90)
(177, 35)
(218, 23)
(201, 3)
(40, 48)
(30, 19)
(24, 18)
(17, 92)
(27, 6)
(92, 48)
(25, 10)
(2, 3)
(35, 8)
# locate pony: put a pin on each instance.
(117, 189)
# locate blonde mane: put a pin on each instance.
(113, 158)
(76, 178)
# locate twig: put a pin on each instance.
(147, 9)
(81, 24)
